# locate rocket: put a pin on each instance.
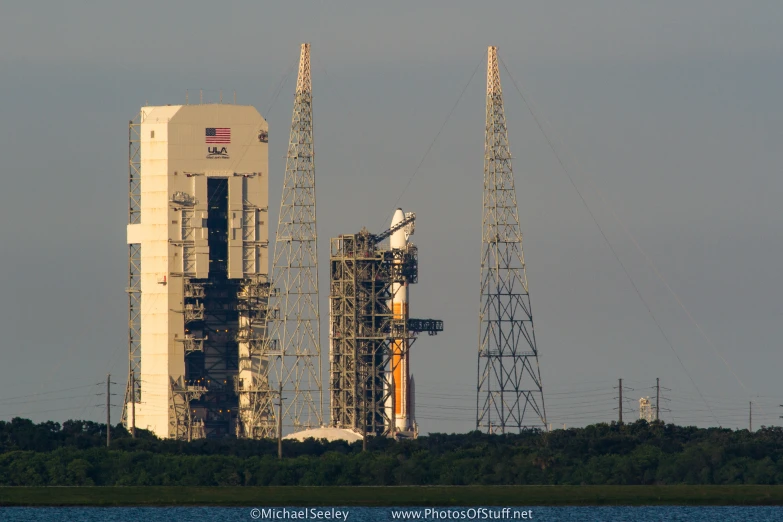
(400, 360)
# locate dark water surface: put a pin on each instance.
(566, 514)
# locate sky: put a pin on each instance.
(652, 237)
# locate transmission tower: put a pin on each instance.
(293, 304)
(509, 392)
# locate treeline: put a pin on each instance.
(638, 453)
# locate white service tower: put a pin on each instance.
(198, 237)
(403, 408)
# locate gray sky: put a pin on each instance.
(666, 114)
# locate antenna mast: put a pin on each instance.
(509, 392)
(293, 304)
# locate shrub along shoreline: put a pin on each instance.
(74, 454)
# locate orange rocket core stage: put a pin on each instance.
(400, 365)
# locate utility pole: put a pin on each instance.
(108, 409)
(280, 422)
(620, 404)
(133, 404)
(750, 417)
(364, 423)
(657, 398)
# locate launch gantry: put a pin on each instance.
(365, 332)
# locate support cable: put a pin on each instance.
(676, 297)
(279, 88)
(437, 135)
(606, 239)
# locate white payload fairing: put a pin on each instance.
(400, 365)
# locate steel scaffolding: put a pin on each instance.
(133, 388)
(181, 421)
(257, 415)
(509, 390)
(363, 326)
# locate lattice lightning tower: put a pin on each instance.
(509, 392)
(294, 316)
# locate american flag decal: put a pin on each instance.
(218, 135)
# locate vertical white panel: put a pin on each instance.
(235, 197)
(201, 231)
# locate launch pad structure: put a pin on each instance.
(217, 342)
(368, 338)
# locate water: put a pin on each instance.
(564, 514)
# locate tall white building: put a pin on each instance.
(198, 258)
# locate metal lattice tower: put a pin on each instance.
(294, 316)
(509, 391)
(134, 267)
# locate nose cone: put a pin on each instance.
(399, 215)
(397, 239)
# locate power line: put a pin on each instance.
(45, 400)
(19, 414)
(45, 393)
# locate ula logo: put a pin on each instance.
(217, 153)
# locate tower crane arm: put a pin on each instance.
(377, 238)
